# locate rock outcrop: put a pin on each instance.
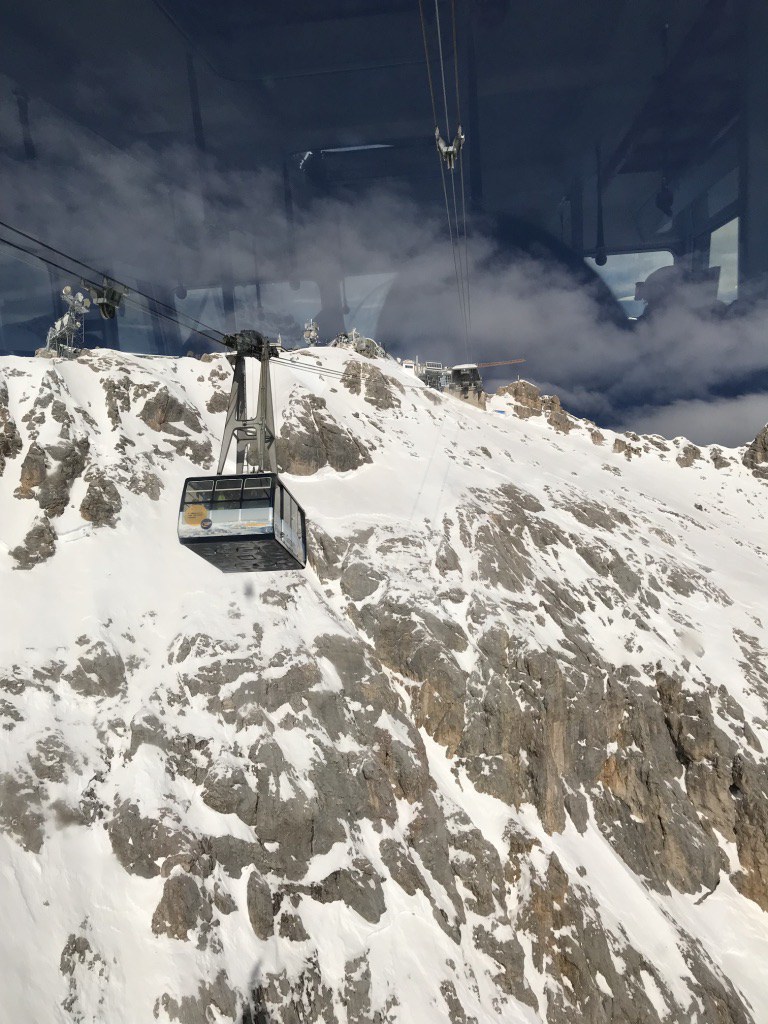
(10, 439)
(756, 455)
(311, 439)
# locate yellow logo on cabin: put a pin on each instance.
(195, 514)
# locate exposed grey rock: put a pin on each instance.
(596, 516)
(175, 419)
(358, 996)
(355, 342)
(456, 1012)
(325, 554)
(559, 418)
(214, 997)
(377, 388)
(52, 759)
(102, 503)
(20, 811)
(289, 999)
(67, 460)
(145, 482)
(39, 545)
(526, 396)
(11, 713)
(181, 909)
(200, 452)
(626, 579)
(360, 581)
(147, 728)
(622, 447)
(530, 402)
(100, 672)
(359, 887)
(229, 792)
(260, 910)
(77, 950)
(33, 471)
(446, 559)
(719, 461)
(688, 456)
(234, 855)
(87, 974)
(420, 649)
(750, 791)
(117, 394)
(218, 402)
(200, 861)
(10, 439)
(140, 844)
(476, 862)
(310, 439)
(571, 946)
(402, 868)
(292, 928)
(756, 455)
(223, 901)
(162, 411)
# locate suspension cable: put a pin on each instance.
(442, 168)
(290, 361)
(126, 298)
(457, 227)
(455, 60)
(454, 242)
(461, 165)
(80, 263)
(426, 57)
(466, 249)
(462, 283)
(442, 66)
(323, 371)
(456, 257)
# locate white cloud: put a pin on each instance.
(728, 421)
(171, 216)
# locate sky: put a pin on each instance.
(170, 217)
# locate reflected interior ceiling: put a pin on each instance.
(541, 84)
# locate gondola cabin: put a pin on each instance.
(243, 523)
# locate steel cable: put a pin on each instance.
(67, 270)
(297, 364)
(80, 263)
(127, 298)
(461, 167)
(426, 58)
(461, 266)
(442, 66)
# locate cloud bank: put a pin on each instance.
(178, 218)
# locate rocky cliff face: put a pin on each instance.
(497, 755)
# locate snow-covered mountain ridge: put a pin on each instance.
(497, 755)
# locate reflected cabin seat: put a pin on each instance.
(244, 523)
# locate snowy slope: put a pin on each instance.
(496, 755)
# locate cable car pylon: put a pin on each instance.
(247, 521)
(253, 437)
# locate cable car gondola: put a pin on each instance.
(247, 521)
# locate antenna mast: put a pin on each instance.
(69, 328)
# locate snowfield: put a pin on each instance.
(496, 755)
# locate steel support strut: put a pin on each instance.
(254, 437)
